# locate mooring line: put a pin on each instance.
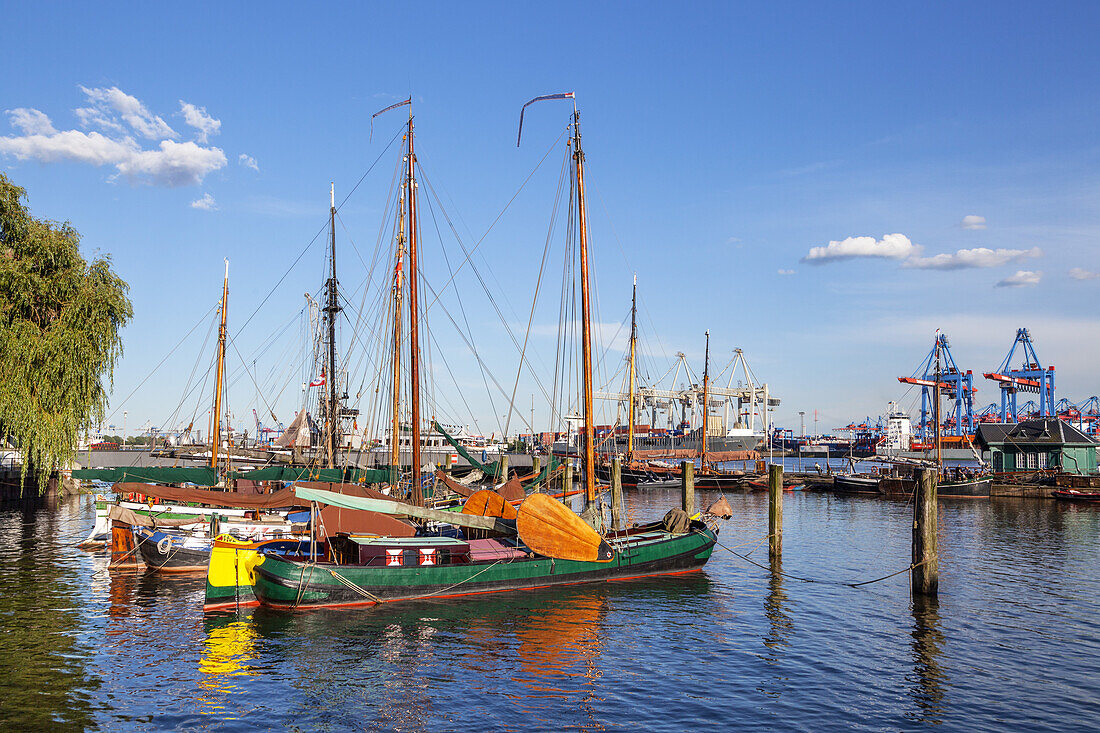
(746, 558)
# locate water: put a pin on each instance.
(1011, 643)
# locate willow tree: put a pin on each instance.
(60, 318)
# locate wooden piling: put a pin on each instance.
(687, 486)
(536, 468)
(775, 511)
(616, 493)
(503, 467)
(567, 481)
(926, 574)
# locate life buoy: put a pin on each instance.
(163, 545)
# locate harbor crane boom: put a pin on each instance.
(954, 384)
(1030, 377)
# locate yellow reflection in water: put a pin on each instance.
(228, 652)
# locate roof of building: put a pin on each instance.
(1043, 430)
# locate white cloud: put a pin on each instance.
(31, 121)
(109, 105)
(1079, 273)
(84, 147)
(785, 272)
(169, 164)
(206, 203)
(972, 221)
(891, 246)
(248, 162)
(175, 164)
(197, 118)
(1021, 279)
(978, 257)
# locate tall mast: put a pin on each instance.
(219, 381)
(706, 388)
(936, 408)
(396, 424)
(633, 346)
(332, 421)
(586, 323)
(414, 344)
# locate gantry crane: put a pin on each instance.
(955, 385)
(1031, 377)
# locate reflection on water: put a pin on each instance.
(927, 692)
(1012, 638)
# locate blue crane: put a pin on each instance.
(1031, 377)
(957, 386)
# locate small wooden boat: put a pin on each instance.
(972, 487)
(853, 484)
(1075, 495)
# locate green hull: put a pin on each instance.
(285, 583)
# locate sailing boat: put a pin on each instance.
(642, 473)
(541, 543)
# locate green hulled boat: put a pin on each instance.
(388, 569)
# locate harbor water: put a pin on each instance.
(1011, 643)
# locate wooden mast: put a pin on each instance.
(220, 379)
(633, 350)
(332, 421)
(395, 458)
(586, 322)
(936, 409)
(416, 498)
(706, 397)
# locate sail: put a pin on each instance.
(489, 468)
(301, 432)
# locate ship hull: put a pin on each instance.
(172, 553)
(286, 583)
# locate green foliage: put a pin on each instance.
(60, 318)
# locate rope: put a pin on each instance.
(367, 594)
(746, 558)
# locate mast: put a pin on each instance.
(936, 408)
(706, 387)
(331, 309)
(633, 348)
(396, 424)
(586, 322)
(219, 381)
(416, 498)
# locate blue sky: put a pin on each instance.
(724, 144)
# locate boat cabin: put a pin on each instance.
(1042, 444)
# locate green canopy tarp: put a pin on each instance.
(204, 476)
(333, 475)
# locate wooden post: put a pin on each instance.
(503, 466)
(536, 468)
(926, 576)
(775, 511)
(567, 481)
(616, 493)
(687, 486)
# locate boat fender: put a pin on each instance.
(163, 545)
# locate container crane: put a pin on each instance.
(955, 385)
(1031, 378)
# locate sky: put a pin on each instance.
(822, 187)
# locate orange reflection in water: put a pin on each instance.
(561, 641)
